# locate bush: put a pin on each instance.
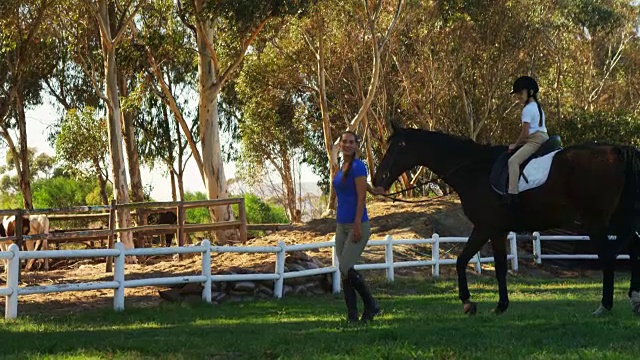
(258, 211)
(619, 127)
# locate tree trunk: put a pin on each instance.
(133, 158)
(215, 181)
(287, 179)
(102, 182)
(120, 187)
(180, 177)
(24, 173)
(326, 123)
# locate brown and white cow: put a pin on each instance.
(8, 228)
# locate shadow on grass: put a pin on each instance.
(428, 324)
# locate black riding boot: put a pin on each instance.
(350, 299)
(371, 307)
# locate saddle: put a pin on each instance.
(499, 176)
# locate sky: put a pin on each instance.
(41, 119)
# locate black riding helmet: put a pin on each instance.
(525, 83)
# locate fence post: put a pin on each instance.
(13, 272)
(514, 250)
(335, 276)
(388, 257)
(206, 270)
(118, 276)
(181, 221)
(242, 214)
(280, 257)
(435, 256)
(537, 248)
(478, 264)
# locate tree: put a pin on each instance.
(224, 31)
(83, 147)
(21, 25)
(112, 31)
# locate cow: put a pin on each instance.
(38, 224)
(8, 228)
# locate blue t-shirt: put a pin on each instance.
(347, 194)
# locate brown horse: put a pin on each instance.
(595, 183)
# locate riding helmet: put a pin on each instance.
(525, 82)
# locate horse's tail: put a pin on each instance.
(631, 191)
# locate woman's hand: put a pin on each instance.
(512, 147)
(357, 231)
(378, 190)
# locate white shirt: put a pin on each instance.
(531, 115)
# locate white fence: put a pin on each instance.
(12, 289)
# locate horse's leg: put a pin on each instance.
(607, 257)
(499, 245)
(476, 240)
(634, 288)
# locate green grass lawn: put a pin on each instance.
(548, 319)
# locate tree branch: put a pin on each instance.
(244, 45)
(123, 28)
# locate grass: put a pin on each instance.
(548, 319)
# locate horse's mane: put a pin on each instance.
(454, 145)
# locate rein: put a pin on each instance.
(445, 177)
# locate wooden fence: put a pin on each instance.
(181, 228)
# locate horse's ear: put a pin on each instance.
(394, 127)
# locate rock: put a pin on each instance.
(451, 223)
(300, 290)
(192, 288)
(317, 262)
(310, 265)
(264, 290)
(172, 295)
(296, 256)
(192, 298)
(296, 267)
(286, 290)
(218, 296)
(263, 296)
(246, 286)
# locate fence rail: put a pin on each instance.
(12, 289)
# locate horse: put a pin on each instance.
(596, 183)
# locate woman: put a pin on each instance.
(352, 229)
(532, 135)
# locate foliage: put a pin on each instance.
(82, 143)
(41, 166)
(261, 212)
(619, 127)
(58, 192)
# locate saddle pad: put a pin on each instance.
(536, 171)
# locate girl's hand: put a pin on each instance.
(512, 147)
(357, 231)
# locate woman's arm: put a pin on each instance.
(361, 191)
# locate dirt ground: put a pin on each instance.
(401, 220)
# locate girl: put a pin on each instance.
(533, 134)
(352, 229)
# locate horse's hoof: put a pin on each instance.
(470, 308)
(601, 311)
(500, 308)
(635, 302)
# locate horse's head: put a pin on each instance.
(396, 159)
